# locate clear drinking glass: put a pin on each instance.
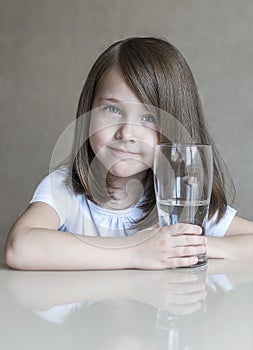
(183, 175)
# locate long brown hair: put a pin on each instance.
(159, 76)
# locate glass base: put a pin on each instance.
(201, 262)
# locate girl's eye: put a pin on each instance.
(113, 109)
(149, 119)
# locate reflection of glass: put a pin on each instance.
(182, 332)
(183, 184)
(186, 327)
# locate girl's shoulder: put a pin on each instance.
(54, 191)
(54, 182)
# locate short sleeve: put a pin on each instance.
(219, 229)
(53, 191)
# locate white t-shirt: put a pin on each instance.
(79, 215)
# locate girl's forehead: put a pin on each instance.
(113, 86)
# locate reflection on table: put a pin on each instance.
(128, 309)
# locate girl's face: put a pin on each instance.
(123, 131)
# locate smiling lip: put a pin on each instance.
(122, 151)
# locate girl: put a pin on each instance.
(103, 194)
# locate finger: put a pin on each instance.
(179, 229)
(188, 240)
(189, 250)
(182, 261)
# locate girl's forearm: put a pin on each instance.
(153, 248)
(237, 247)
(45, 249)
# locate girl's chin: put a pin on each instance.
(125, 171)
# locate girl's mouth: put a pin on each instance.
(122, 151)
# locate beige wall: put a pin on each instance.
(48, 46)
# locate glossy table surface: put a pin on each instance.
(186, 309)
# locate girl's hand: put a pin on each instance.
(168, 246)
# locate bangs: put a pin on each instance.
(139, 74)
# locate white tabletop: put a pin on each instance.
(128, 309)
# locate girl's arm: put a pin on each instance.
(240, 226)
(34, 243)
(237, 244)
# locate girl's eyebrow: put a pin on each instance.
(110, 99)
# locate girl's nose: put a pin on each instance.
(126, 132)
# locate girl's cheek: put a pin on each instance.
(152, 138)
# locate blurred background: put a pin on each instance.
(47, 48)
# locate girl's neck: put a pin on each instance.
(126, 192)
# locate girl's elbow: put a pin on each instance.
(11, 258)
(14, 254)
